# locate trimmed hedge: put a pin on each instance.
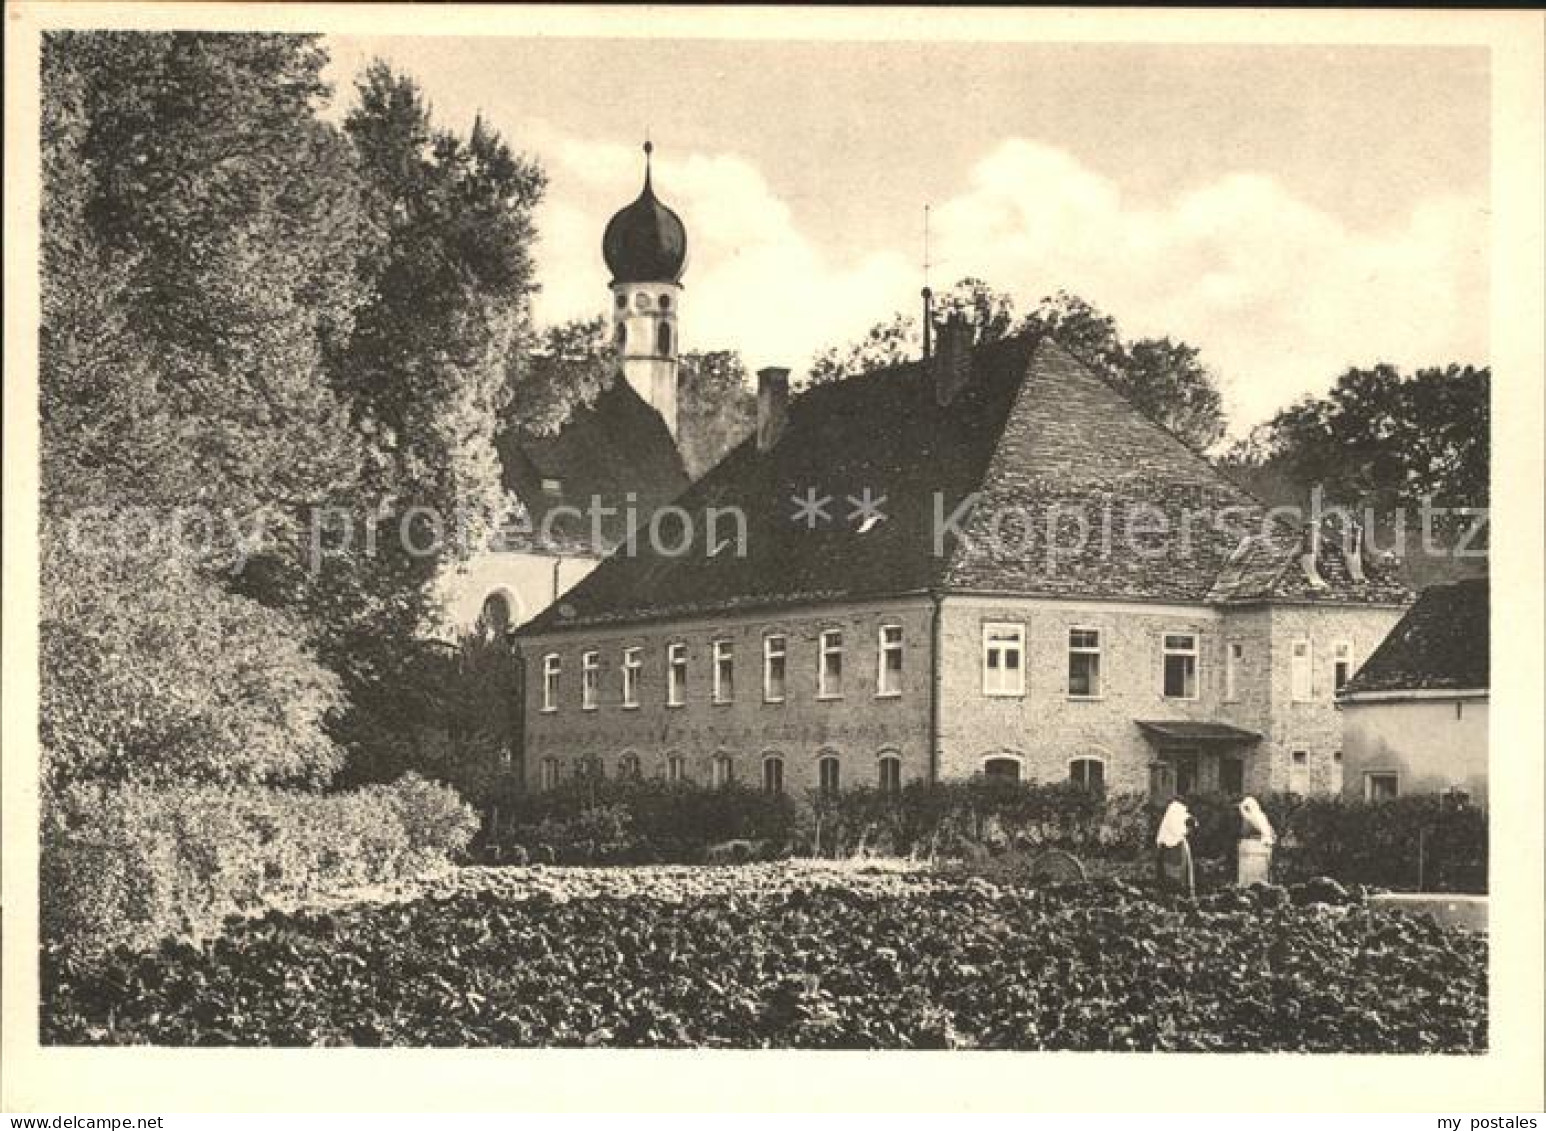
(130, 865)
(1415, 842)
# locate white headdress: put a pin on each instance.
(1253, 816)
(1172, 830)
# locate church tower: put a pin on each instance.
(645, 248)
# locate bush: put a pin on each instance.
(129, 865)
(641, 821)
(1424, 842)
(1378, 844)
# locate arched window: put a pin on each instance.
(628, 767)
(829, 773)
(772, 774)
(498, 615)
(891, 773)
(550, 773)
(663, 340)
(1001, 767)
(591, 768)
(665, 302)
(724, 770)
(1088, 771)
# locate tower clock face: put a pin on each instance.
(641, 301)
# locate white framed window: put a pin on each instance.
(1234, 656)
(1083, 663)
(550, 773)
(628, 767)
(590, 679)
(888, 663)
(1341, 664)
(1180, 660)
(829, 773)
(724, 671)
(772, 774)
(1301, 671)
(676, 768)
(1087, 772)
(774, 668)
(1381, 785)
(633, 667)
(552, 667)
(829, 673)
(1003, 659)
(724, 770)
(676, 675)
(890, 774)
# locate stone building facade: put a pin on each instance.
(964, 630)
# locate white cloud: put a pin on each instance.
(1279, 296)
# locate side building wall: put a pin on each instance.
(858, 728)
(1431, 745)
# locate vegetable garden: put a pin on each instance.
(800, 955)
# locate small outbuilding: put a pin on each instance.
(1414, 717)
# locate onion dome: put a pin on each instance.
(645, 242)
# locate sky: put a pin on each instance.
(1290, 211)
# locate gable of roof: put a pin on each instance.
(606, 452)
(1032, 441)
(1442, 643)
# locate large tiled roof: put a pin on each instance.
(607, 450)
(1033, 436)
(1441, 644)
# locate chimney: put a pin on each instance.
(952, 360)
(1309, 558)
(1352, 551)
(772, 406)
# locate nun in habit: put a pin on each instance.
(1173, 852)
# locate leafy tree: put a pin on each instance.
(153, 673)
(888, 343)
(1384, 438)
(425, 374)
(192, 171)
(716, 407)
(564, 368)
(200, 233)
(1165, 379)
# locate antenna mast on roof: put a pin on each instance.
(928, 295)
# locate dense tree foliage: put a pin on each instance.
(1384, 438)
(716, 407)
(200, 230)
(1166, 379)
(281, 345)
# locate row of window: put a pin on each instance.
(775, 671)
(1087, 771)
(1003, 664)
(1003, 667)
